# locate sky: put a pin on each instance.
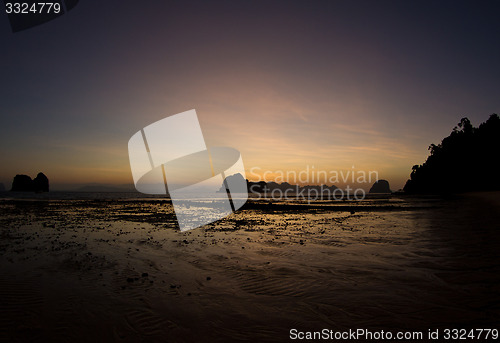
(332, 85)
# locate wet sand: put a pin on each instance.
(120, 271)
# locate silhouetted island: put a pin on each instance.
(380, 187)
(465, 161)
(263, 187)
(24, 183)
(236, 179)
(104, 188)
(41, 183)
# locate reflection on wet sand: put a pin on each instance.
(121, 271)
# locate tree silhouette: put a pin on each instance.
(464, 161)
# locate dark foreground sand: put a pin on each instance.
(120, 271)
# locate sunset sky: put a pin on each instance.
(291, 84)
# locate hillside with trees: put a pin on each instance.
(465, 161)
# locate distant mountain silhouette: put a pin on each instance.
(465, 161)
(380, 187)
(262, 187)
(2, 187)
(105, 188)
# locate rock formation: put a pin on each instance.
(235, 179)
(24, 183)
(380, 187)
(41, 183)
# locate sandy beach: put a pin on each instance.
(120, 270)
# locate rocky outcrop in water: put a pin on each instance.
(24, 183)
(41, 183)
(380, 187)
(232, 179)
